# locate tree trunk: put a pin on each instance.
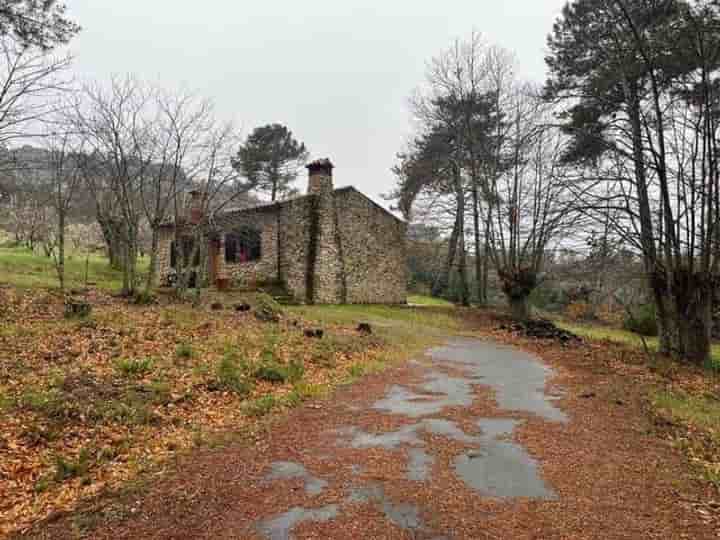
(684, 316)
(693, 315)
(443, 278)
(462, 260)
(462, 267)
(695, 334)
(61, 249)
(486, 264)
(519, 307)
(478, 257)
(152, 271)
(113, 243)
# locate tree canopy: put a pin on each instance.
(36, 23)
(270, 159)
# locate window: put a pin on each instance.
(243, 245)
(188, 249)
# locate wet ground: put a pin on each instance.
(473, 441)
(492, 464)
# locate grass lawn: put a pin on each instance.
(618, 335)
(420, 300)
(408, 328)
(22, 268)
(99, 402)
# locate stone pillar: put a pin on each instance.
(327, 264)
(320, 176)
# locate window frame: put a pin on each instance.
(243, 239)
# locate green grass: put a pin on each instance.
(695, 410)
(24, 269)
(617, 335)
(134, 367)
(420, 300)
(700, 415)
(261, 406)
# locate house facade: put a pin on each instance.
(330, 246)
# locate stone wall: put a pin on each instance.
(331, 248)
(296, 227)
(249, 274)
(165, 238)
(326, 250)
(373, 249)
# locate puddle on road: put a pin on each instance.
(286, 470)
(517, 379)
(496, 467)
(501, 468)
(452, 392)
(280, 527)
(419, 465)
(390, 440)
(404, 515)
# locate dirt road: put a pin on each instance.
(476, 440)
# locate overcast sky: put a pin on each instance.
(338, 73)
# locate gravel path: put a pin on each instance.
(474, 441)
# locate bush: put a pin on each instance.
(144, 298)
(65, 469)
(580, 311)
(642, 320)
(267, 309)
(230, 377)
(275, 372)
(184, 350)
(134, 367)
(261, 406)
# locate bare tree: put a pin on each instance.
(64, 165)
(115, 127)
(178, 133)
(30, 81)
(217, 185)
(644, 120)
(528, 204)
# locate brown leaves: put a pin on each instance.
(70, 390)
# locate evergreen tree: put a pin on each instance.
(270, 159)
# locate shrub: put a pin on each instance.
(230, 377)
(267, 309)
(712, 364)
(73, 468)
(295, 371)
(260, 406)
(184, 350)
(642, 320)
(580, 311)
(134, 367)
(272, 371)
(144, 298)
(356, 370)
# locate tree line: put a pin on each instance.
(623, 136)
(122, 153)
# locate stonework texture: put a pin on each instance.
(327, 247)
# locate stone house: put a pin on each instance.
(330, 246)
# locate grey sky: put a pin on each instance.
(337, 72)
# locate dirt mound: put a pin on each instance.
(541, 329)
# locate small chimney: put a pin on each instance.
(195, 206)
(320, 176)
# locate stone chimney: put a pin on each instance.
(195, 213)
(320, 177)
